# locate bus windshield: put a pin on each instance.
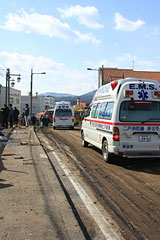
(139, 111)
(63, 112)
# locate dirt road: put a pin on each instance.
(128, 189)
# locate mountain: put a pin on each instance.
(87, 97)
(54, 94)
(69, 97)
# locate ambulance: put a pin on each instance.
(124, 119)
(63, 115)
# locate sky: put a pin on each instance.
(65, 37)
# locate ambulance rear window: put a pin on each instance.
(63, 112)
(139, 111)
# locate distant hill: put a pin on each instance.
(69, 97)
(54, 94)
(87, 97)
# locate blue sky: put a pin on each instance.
(65, 37)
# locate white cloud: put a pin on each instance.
(126, 61)
(85, 15)
(45, 25)
(124, 24)
(58, 77)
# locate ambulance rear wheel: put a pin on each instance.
(84, 143)
(105, 152)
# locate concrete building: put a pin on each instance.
(15, 97)
(39, 103)
(109, 74)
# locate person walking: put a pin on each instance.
(5, 115)
(15, 115)
(11, 115)
(26, 114)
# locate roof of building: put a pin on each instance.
(110, 74)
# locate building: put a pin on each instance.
(109, 74)
(39, 103)
(15, 97)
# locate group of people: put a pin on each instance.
(44, 120)
(11, 116)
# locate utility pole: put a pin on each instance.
(100, 75)
(31, 93)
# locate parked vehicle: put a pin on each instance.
(63, 115)
(124, 119)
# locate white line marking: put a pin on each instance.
(103, 224)
(43, 155)
(46, 141)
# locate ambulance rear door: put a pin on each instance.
(139, 118)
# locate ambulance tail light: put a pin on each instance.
(72, 119)
(128, 93)
(156, 94)
(54, 119)
(115, 133)
(120, 153)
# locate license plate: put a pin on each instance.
(146, 138)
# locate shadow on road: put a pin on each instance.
(151, 166)
(5, 185)
(148, 165)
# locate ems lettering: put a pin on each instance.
(151, 87)
(132, 86)
(142, 86)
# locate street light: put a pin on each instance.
(12, 83)
(32, 73)
(8, 80)
(100, 75)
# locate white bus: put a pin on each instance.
(63, 115)
(124, 119)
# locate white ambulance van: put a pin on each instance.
(63, 115)
(124, 119)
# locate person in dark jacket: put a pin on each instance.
(5, 115)
(15, 115)
(11, 115)
(34, 120)
(26, 114)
